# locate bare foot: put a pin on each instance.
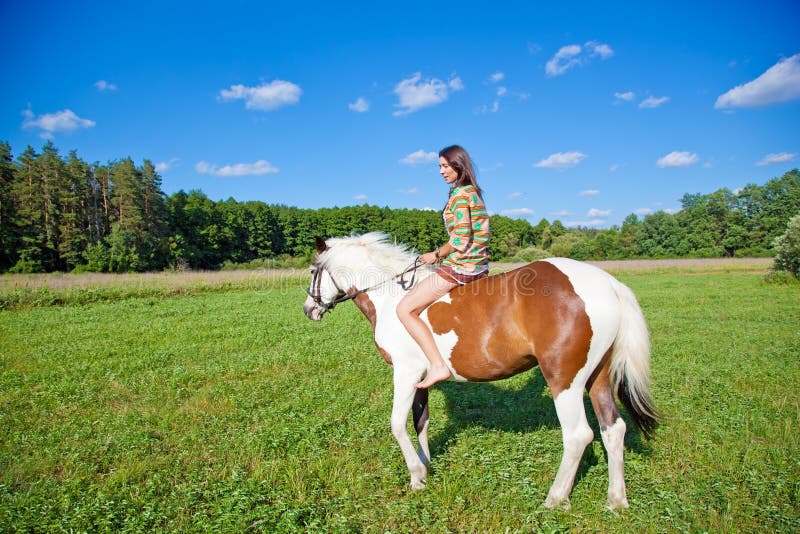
(435, 374)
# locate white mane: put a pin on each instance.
(368, 250)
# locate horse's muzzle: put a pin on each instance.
(312, 311)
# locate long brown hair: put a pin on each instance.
(458, 158)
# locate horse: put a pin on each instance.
(581, 326)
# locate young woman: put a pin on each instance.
(464, 258)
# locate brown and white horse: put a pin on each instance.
(581, 326)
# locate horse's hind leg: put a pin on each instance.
(612, 429)
(576, 435)
(419, 409)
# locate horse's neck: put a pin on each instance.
(384, 295)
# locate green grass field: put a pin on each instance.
(227, 410)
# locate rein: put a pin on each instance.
(327, 306)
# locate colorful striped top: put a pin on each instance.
(467, 224)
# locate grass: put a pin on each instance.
(227, 410)
(22, 291)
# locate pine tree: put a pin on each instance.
(74, 223)
(27, 194)
(8, 230)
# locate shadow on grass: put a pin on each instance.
(526, 409)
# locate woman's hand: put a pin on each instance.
(429, 258)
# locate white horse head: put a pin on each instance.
(347, 265)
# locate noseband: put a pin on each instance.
(316, 295)
(316, 286)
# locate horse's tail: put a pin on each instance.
(630, 362)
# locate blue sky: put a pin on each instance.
(584, 112)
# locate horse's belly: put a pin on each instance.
(483, 368)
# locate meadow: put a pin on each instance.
(198, 405)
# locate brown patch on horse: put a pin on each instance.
(511, 322)
(368, 309)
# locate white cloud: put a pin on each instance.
(643, 211)
(672, 211)
(517, 212)
(494, 108)
(359, 106)
(572, 55)
(565, 59)
(412, 191)
(599, 49)
(103, 85)
(614, 167)
(360, 198)
(501, 91)
(653, 102)
(677, 159)
(515, 195)
(240, 169)
(164, 166)
(781, 157)
(414, 93)
(50, 123)
(496, 77)
(627, 96)
(420, 156)
(779, 83)
(264, 97)
(589, 193)
(561, 160)
(594, 212)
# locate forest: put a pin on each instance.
(64, 214)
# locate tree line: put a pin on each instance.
(62, 214)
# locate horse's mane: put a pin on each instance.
(388, 256)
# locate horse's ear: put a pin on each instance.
(321, 245)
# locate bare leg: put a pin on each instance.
(413, 304)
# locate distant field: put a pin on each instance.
(213, 404)
(30, 290)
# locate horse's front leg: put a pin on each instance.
(404, 393)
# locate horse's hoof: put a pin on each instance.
(553, 503)
(617, 504)
(418, 485)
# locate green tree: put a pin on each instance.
(8, 216)
(122, 254)
(787, 248)
(629, 235)
(27, 192)
(74, 223)
(153, 247)
(538, 232)
(607, 244)
(550, 233)
(264, 238)
(509, 245)
(658, 236)
(562, 245)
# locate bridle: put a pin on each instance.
(315, 289)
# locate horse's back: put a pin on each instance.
(509, 322)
